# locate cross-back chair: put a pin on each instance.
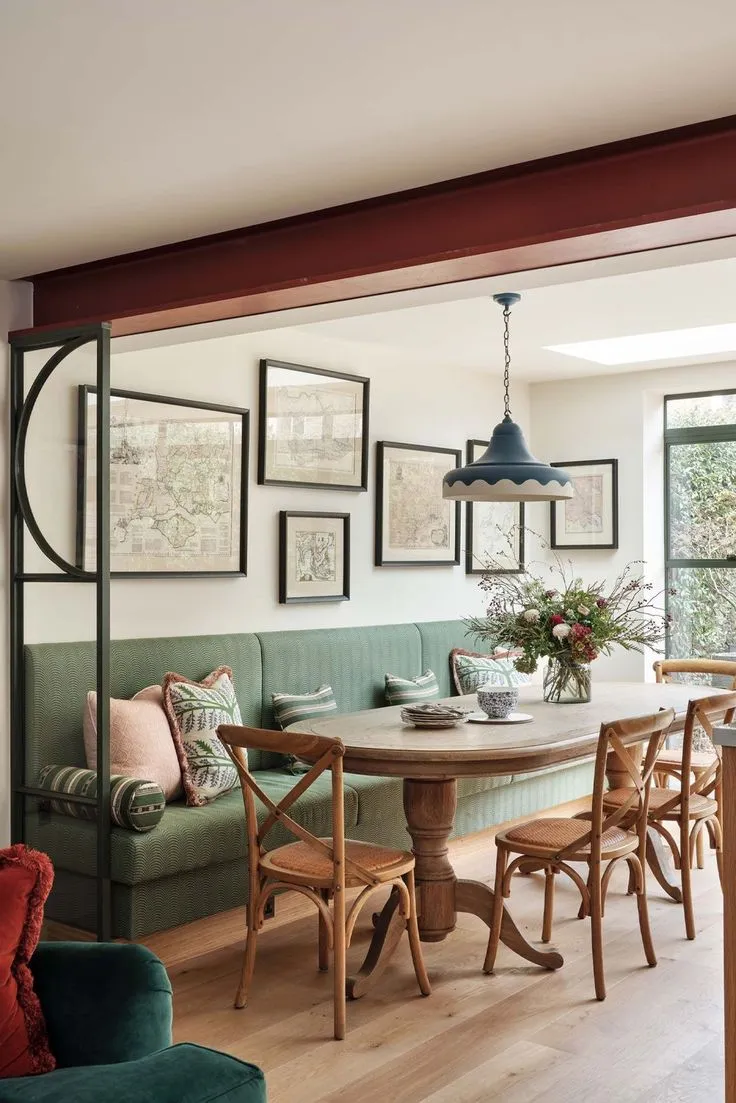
(319, 868)
(606, 836)
(695, 805)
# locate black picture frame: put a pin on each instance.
(452, 460)
(83, 397)
(285, 598)
(266, 479)
(472, 447)
(609, 470)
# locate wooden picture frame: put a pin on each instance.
(482, 518)
(588, 520)
(312, 427)
(314, 558)
(178, 486)
(415, 527)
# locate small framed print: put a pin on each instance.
(494, 531)
(590, 518)
(415, 525)
(313, 427)
(314, 557)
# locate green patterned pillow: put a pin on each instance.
(470, 671)
(137, 805)
(407, 691)
(195, 711)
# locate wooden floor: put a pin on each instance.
(521, 1035)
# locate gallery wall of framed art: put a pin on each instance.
(590, 518)
(494, 531)
(178, 485)
(415, 525)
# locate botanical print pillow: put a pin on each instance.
(195, 710)
(407, 691)
(470, 671)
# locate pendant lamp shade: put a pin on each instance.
(507, 471)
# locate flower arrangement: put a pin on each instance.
(570, 623)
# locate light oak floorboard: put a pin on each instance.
(520, 1036)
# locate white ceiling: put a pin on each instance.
(134, 123)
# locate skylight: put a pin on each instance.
(670, 344)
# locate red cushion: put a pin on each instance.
(26, 877)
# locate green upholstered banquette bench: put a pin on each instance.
(191, 864)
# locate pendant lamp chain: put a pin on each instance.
(507, 362)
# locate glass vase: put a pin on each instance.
(566, 682)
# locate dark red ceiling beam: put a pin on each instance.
(663, 189)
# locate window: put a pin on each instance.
(700, 523)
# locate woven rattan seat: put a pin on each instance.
(700, 806)
(555, 835)
(672, 756)
(313, 867)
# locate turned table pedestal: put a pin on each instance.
(430, 762)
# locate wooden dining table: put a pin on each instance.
(430, 762)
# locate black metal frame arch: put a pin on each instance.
(23, 520)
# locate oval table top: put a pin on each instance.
(378, 742)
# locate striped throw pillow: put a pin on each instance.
(137, 805)
(470, 671)
(406, 691)
(290, 707)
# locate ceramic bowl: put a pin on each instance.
(498, 701)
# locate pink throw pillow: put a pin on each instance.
(140, 740)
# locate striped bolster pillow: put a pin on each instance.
(137, 805)
(405, 691)
(290, 707)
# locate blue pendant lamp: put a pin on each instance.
(507, 471)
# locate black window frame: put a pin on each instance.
(696, 434)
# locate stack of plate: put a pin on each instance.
(432, 715)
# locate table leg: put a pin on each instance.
(430, 813)
(389, 927)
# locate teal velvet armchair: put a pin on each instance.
(108, 1014)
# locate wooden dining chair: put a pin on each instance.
(606, 836)
(319, 868)
(669, 764)
(693, 807)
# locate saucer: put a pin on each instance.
(512, 718)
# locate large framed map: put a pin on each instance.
(312, 427)
(415, 525)
(178, 485)
(494, 531)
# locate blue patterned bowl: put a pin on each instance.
(498, 701)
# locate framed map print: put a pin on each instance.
(590, 518)
(312, 427)
(178, 485)
(314, 557)
(494, 531)
(415, 525)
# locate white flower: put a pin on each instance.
(583, 610)
(531, 615)
(561, 631)
(570, 614)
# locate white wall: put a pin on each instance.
(617, 417)
(15, 312)
(408, 403)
